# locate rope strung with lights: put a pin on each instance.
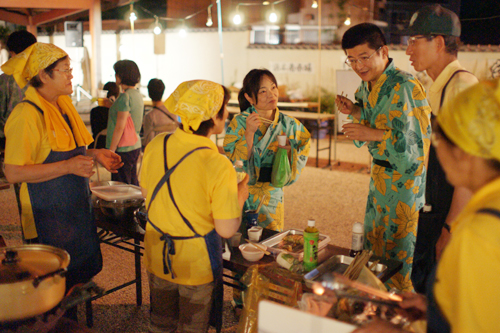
(272, 16)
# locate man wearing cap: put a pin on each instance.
(432, 46)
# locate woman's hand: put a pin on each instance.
(415, 306)
(362, 133)
(80, 165)
(253, 123)
(108, 159)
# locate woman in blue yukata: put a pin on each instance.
(252, 138)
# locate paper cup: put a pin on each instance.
(235, 239)
(253, 235)
(282, 140)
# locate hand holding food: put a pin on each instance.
(81, 166)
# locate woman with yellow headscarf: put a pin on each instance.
(193, 199)
(465, 296)
(46, 151)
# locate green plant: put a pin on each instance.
(327, 101)
(4, 33)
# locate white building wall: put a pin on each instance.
(197, 56)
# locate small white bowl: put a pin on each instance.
(251, 253)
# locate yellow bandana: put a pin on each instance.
(472, 120)
(195, 101)
(27, 64)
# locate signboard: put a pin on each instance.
(291, 67)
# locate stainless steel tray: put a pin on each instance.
(339, 264)
(272, 242)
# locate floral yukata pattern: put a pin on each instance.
(265, 146)
(396, 104)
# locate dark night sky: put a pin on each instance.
(480, 31)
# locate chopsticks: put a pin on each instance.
(259, 247)
(342, 104)
(264, 120)
(367, 289)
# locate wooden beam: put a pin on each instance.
(53, 4)
(54, 15)
(13, 17)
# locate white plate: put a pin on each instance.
(117, 192)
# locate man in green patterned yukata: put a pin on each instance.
(391, 115)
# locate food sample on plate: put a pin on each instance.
(292, 243)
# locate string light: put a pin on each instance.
(183, 30)
(265, 3)
(209, 17)
(273, 17)
(237, 17)
(314, 4)
(133, 15)
(157, 29)
(348, 19)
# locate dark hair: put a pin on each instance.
(35, 80)
(156, 89)
(361, 34)
(112, 89)
(251, 86)
(206, 125)
(128, 72)
(19, 40)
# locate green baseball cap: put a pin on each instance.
(434, 20)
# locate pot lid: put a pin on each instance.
(26, 262)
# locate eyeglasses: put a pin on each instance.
(411, 41)
(361, 60)
(68, 71)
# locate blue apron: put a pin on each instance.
(63, 217)
(212, 240)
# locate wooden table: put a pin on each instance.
(318, 118)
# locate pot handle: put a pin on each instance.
(39, 279)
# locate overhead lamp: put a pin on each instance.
(183, 30)
(273, 17)
(132, 15)
(314, 4)
(157, 28)
(348, 19)
(237, 17)
(209, 17)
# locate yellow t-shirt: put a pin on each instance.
(468, 273)
(27, 144)
(204, 187)
(459, 83)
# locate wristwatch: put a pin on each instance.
(447, 227)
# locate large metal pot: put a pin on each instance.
(121, 211)
(32, 280)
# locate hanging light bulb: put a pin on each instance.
(348, 19)
(157, 28)
(314, 4)
(209, 17)
(183, 30)
(133, 15)
(273, 17)
(237, 17)
(265, 3)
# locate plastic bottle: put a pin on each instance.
(357, 239)
(311, 238)
(240, 172)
